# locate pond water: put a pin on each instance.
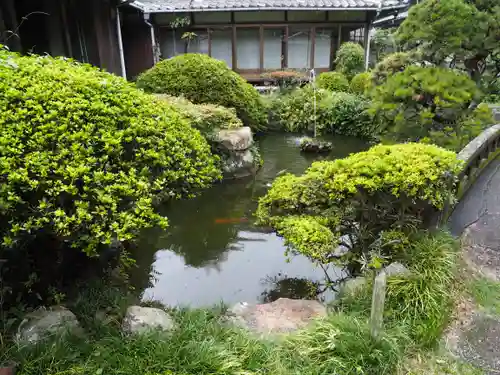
(212, 252)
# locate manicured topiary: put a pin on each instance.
(361, 83)
(368, 202)
(333, 81)
(350, 59)
(429, 104)
(84, 156)
(202, 79)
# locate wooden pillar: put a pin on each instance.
(261, 48)
(366, 42)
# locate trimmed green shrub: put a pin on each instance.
(368, 203)
(392, 64)
(84, 156)
(202, 79)
(345, 114)
(361, 83)
(336, 112)
(295, 111)
(333, 81)
(350, 59)
(429, 104)
(205, 117)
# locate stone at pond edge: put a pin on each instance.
(240, 164)
(281, 316)
(315, 145)
(42, 323)
(236, 139)
(396, 269)
(140, 320)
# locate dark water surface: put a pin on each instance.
(212, 252)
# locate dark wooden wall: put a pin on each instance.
(84, 30)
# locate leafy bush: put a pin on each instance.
(429, 104)
(295, 111)
(392, 64)
(202, 79)
(287, 79)
(333, 81)
(205, 117)
(345, 114)
(350, 59)
(336, 112)
(84, 157)
(361, 83)
(367, 202)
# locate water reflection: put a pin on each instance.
(213, 252)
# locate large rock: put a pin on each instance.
(236, 139)
(281, 316)
(43, 323)
(239, 164)
(146, 319)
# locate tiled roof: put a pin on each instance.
(152, 6)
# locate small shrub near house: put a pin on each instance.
(431, 105)
(336, 112)
(202, 79)
(350, 59)
(84, 157)
(361, 83)
(333, 81)
(369, 202)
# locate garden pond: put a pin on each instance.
(213, 252)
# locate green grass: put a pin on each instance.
(418, 307)
(423, 300)
(487, 294)
(203, 345)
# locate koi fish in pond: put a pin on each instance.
(233, 220)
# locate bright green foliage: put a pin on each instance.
(202, 79)
(336, 112)
(429, 104)
(333, 81)
(361, 83)
(350, 59)
(204, 117)
(84, 155)
(392, 64)
(346, 114)
(368, 202)
(465, 32)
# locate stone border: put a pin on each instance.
(475, 156)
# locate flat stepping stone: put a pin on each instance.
(281, 316)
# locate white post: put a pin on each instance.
(378, 301)
(120, 42)
(367, 45)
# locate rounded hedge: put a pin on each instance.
(350, 59)
(333, 81)
(85, 155)
(361, 83)
(375, 198)
(202, 79)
